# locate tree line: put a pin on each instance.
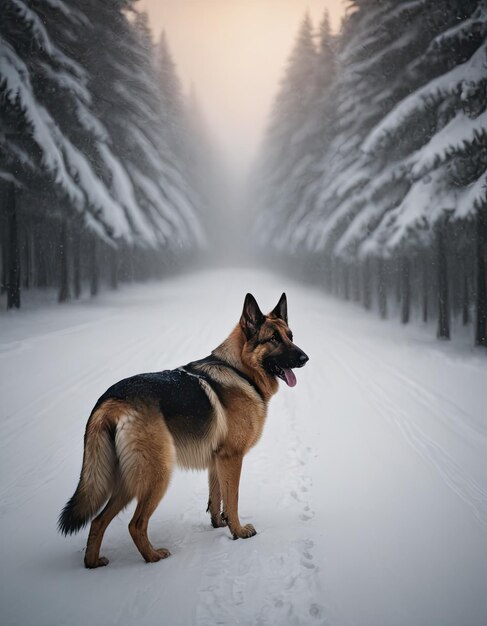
(373, 173)
(100, 154)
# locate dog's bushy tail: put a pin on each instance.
(98, 474)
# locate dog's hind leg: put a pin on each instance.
(147, 454)
(138, 524)
(218, 519)
(117, 502)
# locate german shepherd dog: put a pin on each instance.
(205, 415)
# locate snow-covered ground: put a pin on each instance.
(368, 489)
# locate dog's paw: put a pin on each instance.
(163, 553)
(157, 555)
(219, 521)
(244, 532)
(100, 562)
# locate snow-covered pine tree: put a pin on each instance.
(84, 147)
(435, 141)
(291, 127)
(370, 52)
(45, 122)
(399, 195)
(320, 130)
(183, 136)
(127, 100)
(349, 107)
(374, 48)
(170, 141)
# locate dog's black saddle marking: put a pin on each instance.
(192, 368)
(181, 399)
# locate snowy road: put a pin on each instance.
(368, 489)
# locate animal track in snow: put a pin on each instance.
(292, 584)
(298, 455)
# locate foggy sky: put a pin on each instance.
(234, 52)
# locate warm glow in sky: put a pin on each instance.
(234, 52)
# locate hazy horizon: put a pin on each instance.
(234, 53)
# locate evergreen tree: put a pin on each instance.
(290, 128)
(401, 180)
(46, 121)
(128, 103)
(307, 171)
(434, 141)
(373, 54)
(86, 168)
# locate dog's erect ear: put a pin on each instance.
(252, 317)
(280, 309)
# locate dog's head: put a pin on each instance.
(269, 340)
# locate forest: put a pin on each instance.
(101, 162)
(370, 182)
(161, 159)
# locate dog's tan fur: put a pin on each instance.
(138, 460)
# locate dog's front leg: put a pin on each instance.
(215, 497)
(229, 468)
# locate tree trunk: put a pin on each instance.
(27, 259)
(397, 281)
(346, 281)
(465, 300)
(77, 264)
(3, 243)
(481, 299)
(381, 289)
(114, 269)
(334, 278)
(13, 255)
(405, 290)
(328, 277)
(366, 285)
(128, 260)
(355, 282)
(64, 294)
(41, 258)
(94, 272)
(443, 331)
(425, 287)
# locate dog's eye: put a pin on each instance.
(276, 337)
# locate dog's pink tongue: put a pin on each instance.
(290, 378)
